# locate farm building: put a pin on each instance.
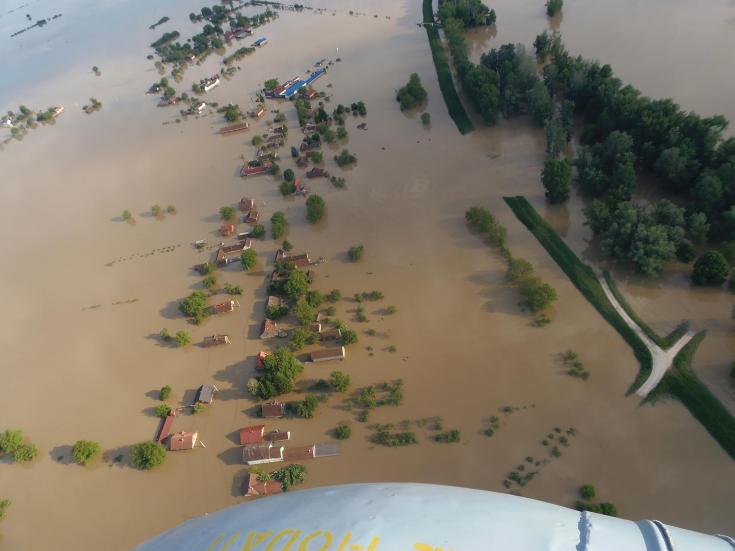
(272, 410)
(259, 454)
(328, 354)
(216, 340)
(206, 394)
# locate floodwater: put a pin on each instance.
(85, 293)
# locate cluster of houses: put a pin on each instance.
(261, 448)
(185, 440)
(238, 33)
(270, 327)
(267, 152)
(289, 88)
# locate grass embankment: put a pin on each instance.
(444, 74)
(683, 384)
(583, 278)
(661, 342)
(679, 381)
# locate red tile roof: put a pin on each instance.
(252, 435)
(182, 441)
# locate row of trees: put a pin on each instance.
(12, 443)
(472, 13)
(536, 294)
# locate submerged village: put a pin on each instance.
(457, 259)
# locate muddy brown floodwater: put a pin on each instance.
(84, 294)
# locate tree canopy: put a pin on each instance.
(412, 94)
(84, 451)
(315, 208)
(147, 455)
(710, 269)
(280, 370)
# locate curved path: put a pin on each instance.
(661, 359)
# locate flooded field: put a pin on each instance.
(86, 293)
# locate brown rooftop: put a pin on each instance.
(252, 435)
(182, 441)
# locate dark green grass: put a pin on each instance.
(444, 74)
(683, 384)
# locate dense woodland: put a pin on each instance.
(625, 134)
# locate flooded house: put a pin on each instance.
(260, 454)
(270, 329)
(252, 435)
(227, 230)
(231, 129)
(328, 354)
(298, 260)
(255, 170)
(231, 253)
(224, 307)
(251, 217)
(215, 340)
(330, 334)
(206, 394)
(166, 427)
(272, 302)
(277, 436)
(317, 172)
(254, 487)
(182, 441)
(256, 113)
(246, 204)
(273, 410)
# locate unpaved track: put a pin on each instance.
(662, 359)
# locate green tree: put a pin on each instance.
(227, 213)
(248, 259)
(301, 336)
(10, 441)
(126, 215)
(303, 312)
(342, 432)
(163, 410)
(518, 270)
(587, 491)
(355, 253)
(340, 381)
(349, 337)
(270, 84)
(231, 289)
(258, 231)
(537, 295)
(307, 407)
(84, 451)
(280, 370)
(290, 475)
(209, 281)
(539, 103)
(335, 295)
(25, 453)
(344, 158)
(553, 7)
(147, 455)
(315, 208)
(296, 285)
(710, 269)
(4, 505)
(164, 393)
(287, 246)
(288, 175)
(182, 338)
(195, 306)
(412, 94)
(557, 177)
(278, 224)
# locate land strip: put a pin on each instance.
(679, 381)
(444, 73)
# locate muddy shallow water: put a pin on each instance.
(85, 293)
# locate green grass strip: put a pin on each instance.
(583, 278)
(444, 74)
(662, 342)
(683, 384)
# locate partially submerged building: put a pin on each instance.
(328, 354)
(227, 229)
(253, 487)
(259, 454)
(273, 410)
(224, 307)
(216, 340)
(231, 253)
(270, 329)
(252, 434)
(182, 441)
(260, 359)
(206, 394)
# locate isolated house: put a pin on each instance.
(206, 394)
(246, 204)
(330, 334)
(216, 340)
(227, 229)
(273, 410)
(260, 358)
(231, 253)
(224, 307)
(270, 329)
(259, 454)
(182, 441)
(166, 427)
(328, 354)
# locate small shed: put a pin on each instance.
(252, 434)
(265, 452)
(182, 441)
(216, 340)
(206, 394)
(273, 410)
(224, 307)
(277, 436)
(270, 329)
(253, 487)
(328, 354)
(246, 204)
